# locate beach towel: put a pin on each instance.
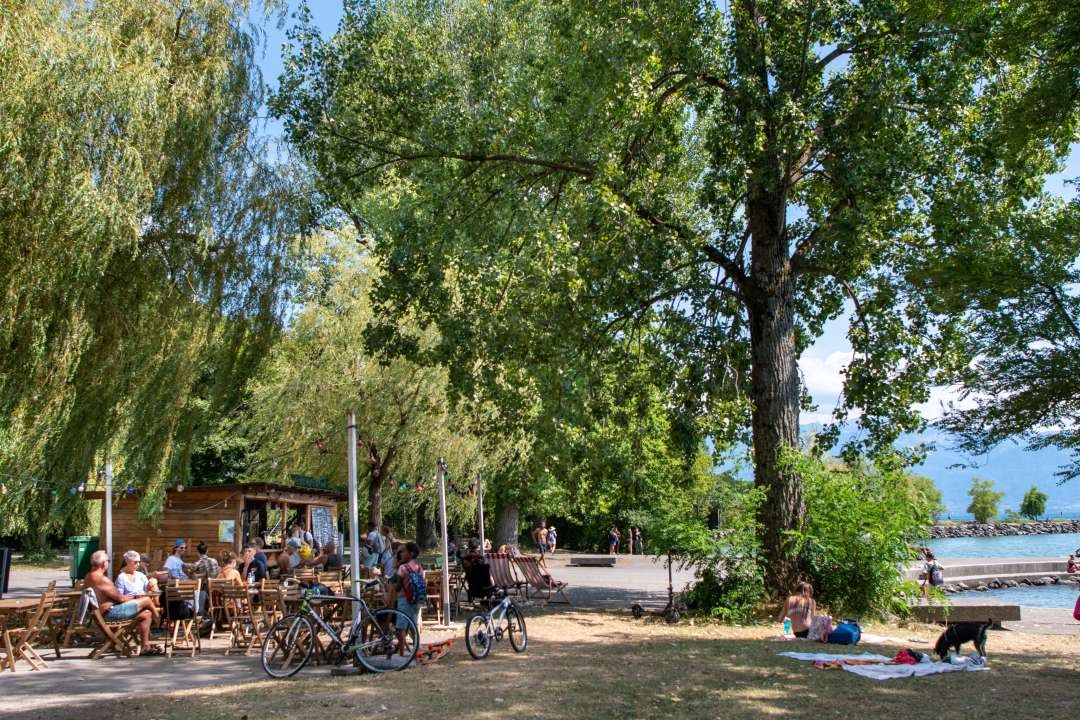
(891, 672)
(834, 657)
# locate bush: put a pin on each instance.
(860, 524)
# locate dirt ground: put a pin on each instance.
(596, 664)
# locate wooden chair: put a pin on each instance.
(541, 580)
(433, 580)
(271, 606)
(19, 632)
(246, 625)
(183, 632)
(87, 621)
(502, 573)
(327, 577)
(215, 603)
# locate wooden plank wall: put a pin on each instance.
(192, 515)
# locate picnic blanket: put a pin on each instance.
(890, 672)
(879, 667)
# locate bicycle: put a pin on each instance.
(483, 627)
(372, 640)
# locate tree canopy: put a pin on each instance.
(144, 241)
(553, 183)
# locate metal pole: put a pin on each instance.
(445, 542)
(354, 514)
(108, 513)
(480, 506)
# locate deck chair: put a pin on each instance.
(183, 626)
(19, 632)
(502, 573)
(542, 581)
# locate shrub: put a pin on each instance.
(861, 521)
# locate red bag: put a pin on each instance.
(1076, 610)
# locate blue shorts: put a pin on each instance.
(123, 611)
(406, 608)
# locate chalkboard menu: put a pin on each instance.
(322, 524)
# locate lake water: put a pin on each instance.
(1046, 596)
(1007, 546)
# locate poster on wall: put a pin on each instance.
(226, 531)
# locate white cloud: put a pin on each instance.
(822, 375)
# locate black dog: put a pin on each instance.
(959, 633)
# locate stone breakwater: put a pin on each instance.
(973, 529)
(1005, 583)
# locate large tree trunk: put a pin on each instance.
(774, 393)
(426, 537)
(507, 524)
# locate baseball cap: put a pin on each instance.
(295, 542)
(178, 543)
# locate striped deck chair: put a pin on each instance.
(539, 579)
(502, 572)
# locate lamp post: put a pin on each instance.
(441, 472)
(354, 515)
(480, 506)
(108, 513)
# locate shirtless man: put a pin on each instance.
(115, 607)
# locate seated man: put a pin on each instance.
(328, 558)
(115, 607)
(175, 564)
(206, 565)
(253, 571)
(290, 558)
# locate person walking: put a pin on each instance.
(613, 540)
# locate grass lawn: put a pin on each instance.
(597, 665)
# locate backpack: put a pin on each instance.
(846, 632)
(415, 587)
(936, 576)
(1076, 610)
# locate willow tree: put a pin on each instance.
(143, 240)
(548, 180)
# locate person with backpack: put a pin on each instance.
(408, 590)
(932, 573)
(373, 546)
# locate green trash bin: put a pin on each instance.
(81, 547)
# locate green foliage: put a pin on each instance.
(929, 497)
(984, 500)
(554, 183)
(730, 580)
(861, 521)
(1034, 504)
(143, 242)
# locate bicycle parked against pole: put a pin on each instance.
(503, 619)
(372, 642)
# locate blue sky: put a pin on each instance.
(821, 364)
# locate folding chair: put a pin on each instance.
(246, 626)
(541, 581)
(19, 632)
(184, 625)
(215, 609)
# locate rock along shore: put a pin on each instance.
(974, 529)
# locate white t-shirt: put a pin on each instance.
(175, 565)
(134, 584)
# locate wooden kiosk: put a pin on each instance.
(225, 517)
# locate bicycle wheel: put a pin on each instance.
(378, 647)
(515, 621)
(477, 636)
(287, 646)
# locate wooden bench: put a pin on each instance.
(944, 614)
(582, 561)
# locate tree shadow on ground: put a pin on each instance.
(589, 665)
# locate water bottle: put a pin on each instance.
(251, 578)
(787, 626)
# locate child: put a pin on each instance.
(408, 590)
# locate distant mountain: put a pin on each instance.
(1012, 468)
